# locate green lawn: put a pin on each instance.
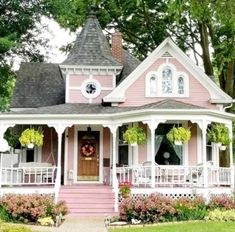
(183, 227)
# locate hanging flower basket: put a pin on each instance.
(179, 135)
(134, 136)
(219, 134)
(31, 137)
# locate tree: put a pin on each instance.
(211, 24)
(17, 30)
(142, 22)
(145, 23)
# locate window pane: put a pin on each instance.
(167, 81)
(180, 85)
(30, 155)
(153, 85)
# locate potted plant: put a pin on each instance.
(179, 135)
(12, 138)
(125, 189)
(219, 134)
(134, 136)
(31, 137)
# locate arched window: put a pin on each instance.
(167, 81)
(181, 85)
(153, 85)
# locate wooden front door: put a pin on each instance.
(88, 155)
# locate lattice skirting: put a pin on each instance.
(178, 193)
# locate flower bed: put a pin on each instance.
(31, 208)
(157, 208)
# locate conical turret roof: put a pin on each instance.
(91, 47)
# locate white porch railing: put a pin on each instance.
(27, 176)
(175, 175)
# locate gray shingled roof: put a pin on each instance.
(91, 47)
(129, 65)
(37, 85)
(82, 108)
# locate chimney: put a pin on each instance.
(117, 46)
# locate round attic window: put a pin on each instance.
(91, 88)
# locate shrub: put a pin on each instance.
(13, 228)
(46, 221)
(4, 215)
(153, 208)
(31, 207)
(221, 215)
(188, 209)
(221, 201)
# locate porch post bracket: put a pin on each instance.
(201, 123)
(153, 124)
(59, 128)
(3, 128)
(112, 127)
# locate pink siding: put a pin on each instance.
(106, 143)
(75, 96)
(142, 149)
(76, 80)
(192, 145)
(71, 154)
(105, 81)
(198, 95)
(49, 147)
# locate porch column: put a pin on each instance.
(230, 128)
(59, 130)
(113, 129)
(153, 124)
(204, 160)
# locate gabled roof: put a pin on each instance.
(169, 47)
(37, 85)
(91, 48)
(129, 65)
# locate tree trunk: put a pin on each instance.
(205, 49)
(229, 78)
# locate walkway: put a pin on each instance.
(76, 224)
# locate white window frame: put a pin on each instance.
(175, 76)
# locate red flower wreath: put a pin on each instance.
(88, 150)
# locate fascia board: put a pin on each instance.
(210, 85)
(118, 92)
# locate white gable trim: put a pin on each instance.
(168, 46)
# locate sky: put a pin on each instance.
(58, 37)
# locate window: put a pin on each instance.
(167, 81)
(122, 147)
(91, 88)
(153, 85)
(180, 85)
(30, 155)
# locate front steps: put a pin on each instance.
(88, 199)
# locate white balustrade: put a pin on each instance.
(175, 175)
(28, 176)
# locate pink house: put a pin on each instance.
(84, 106)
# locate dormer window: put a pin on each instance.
(166, 82)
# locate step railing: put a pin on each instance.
(175, 175)
(11, 176)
